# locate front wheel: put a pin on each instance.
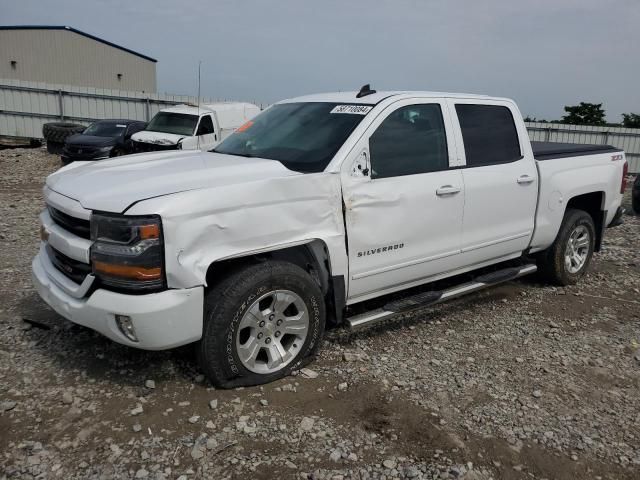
(567, 259)
(260, 323)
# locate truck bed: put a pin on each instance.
(551, 150)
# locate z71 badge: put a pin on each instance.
(386, 249)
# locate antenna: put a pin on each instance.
(198, 136)
(364, 91)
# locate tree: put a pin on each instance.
(584, 114)
(631, 120)
(534, 119)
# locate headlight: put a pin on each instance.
(127, 251)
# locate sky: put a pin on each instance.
(543, 53)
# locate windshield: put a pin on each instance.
(105, 129)
(302, 136)
(176, 123)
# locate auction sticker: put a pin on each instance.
(353, 109)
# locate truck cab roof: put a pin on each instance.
(377, 97)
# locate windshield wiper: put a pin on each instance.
(246, 155)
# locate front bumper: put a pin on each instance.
(161, 320)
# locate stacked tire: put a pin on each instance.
(56, 133)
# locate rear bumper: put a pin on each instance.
(161, 320)
(617, 218)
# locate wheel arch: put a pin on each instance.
(313, 256)
(593, 203)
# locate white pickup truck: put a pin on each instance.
(190, 127)
(317, 204)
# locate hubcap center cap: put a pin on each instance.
(268, 329)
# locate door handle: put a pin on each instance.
(525, 179)
(447, 190)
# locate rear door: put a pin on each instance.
(403, 199)
(205, 133)
(500, 180)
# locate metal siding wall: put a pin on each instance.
(627, 139)
(26, 106)
(65, 57)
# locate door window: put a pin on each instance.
(489, 134)
(409, 141)
(206, 126)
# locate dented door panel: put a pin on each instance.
(387, 248)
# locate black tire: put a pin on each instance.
(59, 131)
(551, 263)
(224, 307)
(54, 147)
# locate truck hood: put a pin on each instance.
(114, 185)
(158, 138)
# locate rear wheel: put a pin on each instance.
(568, 258)
(260, 323)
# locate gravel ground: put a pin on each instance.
(521, 381)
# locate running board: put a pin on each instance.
(425, 299)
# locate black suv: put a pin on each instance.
(101, 139)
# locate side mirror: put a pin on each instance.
(360, 167)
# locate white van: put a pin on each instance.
(190, 127)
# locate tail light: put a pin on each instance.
(623, 182)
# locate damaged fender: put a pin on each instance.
(208, 225)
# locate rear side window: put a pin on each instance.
(206, 126)
(489, 134)
(409, 141)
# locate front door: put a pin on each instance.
(403, 201)
(206, 135)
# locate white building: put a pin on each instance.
(66, 56)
